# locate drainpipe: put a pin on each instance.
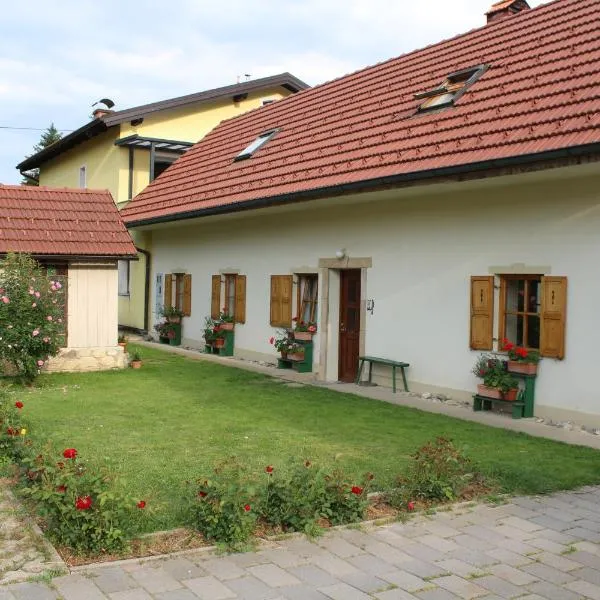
(146, 286)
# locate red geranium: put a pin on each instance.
(410, 505)
(356, 490)
(247, 508)
(61, 489)
(271, 340)
(70, 453)
(202, 494)
(522, 352)
(19, 404)
(269, 469)
(83, 503)
(141, 504)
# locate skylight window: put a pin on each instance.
(259, 142)
(451, 89)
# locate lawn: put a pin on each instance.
(169, 422)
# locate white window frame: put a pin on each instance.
(83, 176)
(124, 270)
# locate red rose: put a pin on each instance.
(271, 340)
(70, 453)
(356, 490)
(247, 508)
(61, 489)
(202, 494)
(83, 503)
(19, 404)
(410, 506)
(269, 469)
(141, 504)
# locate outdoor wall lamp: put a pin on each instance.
(341, 253)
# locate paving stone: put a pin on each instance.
(155, 579)
(518, 547)
(585, 558)
(222, 568)
(209, 588)
(395, 595)
(579, 533)
(302, 592)
(551, 523)
(547, 573)
(588, 547)
(6, 595)
(386, 552)
(512, 533)
(273, 575)
(547, 545)
(474, 557)
(436, 594)
(340, 547)
(589, 590)
(182, 568)
(501, 587)
(587, 574)
(557, 562)
(508, 557)
(314, 576)
(457, 567)
(111, 579)
(562, 537)
(137, 594)
(365, 582)
(406, 581)
(439, 543)
(461, 587)
(75, 587)
(251, 588)
(32, 591)
(549, 591)
(522, 524)
(423, 552)
(386, 535)
(334, 566)
(472, 543)
(283, 558)
(423, 569)
(516, 576)
(343, 591)
(182, 594)
(441, 530)
(371, 564)
(248, 559)
(483, 533)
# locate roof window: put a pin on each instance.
(451, 89)
(259, 142)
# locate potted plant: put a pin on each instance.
(209, 334)
(171, 314)
(122, 341)
(497, 383)
(226, 320)
(219, 336)
(282, 342)
(304, 330)
(521, 360)
(136, 360)
(166, 332)
(295, 352)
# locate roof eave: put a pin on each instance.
(372, 184)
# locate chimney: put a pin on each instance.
(506, 8)
(101, 112)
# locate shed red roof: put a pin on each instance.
(61, 221)
(540, 93)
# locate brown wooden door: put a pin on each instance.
(349, 324)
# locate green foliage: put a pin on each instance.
(283, 340)
(13, 439)
(48, 137)
(438, 471)
(494, 374)
(31, 315)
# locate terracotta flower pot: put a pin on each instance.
(219, 342)
(524, 368)
(136, 364)
(299, 356)
(173, 319)
(226, 326)
(489, 392)
(284, 355)
(124, 346)
(305, 336)
(511, 395)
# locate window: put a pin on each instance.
(123, 266)
(260, 141)
(451, 89)
(162, 161)
(232, 289)
(82, 177)
(281, 300)
(307, 298)
(178, 292)
(266, 101)
(531, 313)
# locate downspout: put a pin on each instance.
(146, 286)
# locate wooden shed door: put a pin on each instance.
(349, 324)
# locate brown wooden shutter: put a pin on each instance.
(215, 302)
(240, 298)
(168, 291)
(482, 312)
(187, 295)
(281, 300)
(554, 313)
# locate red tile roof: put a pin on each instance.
(61, 221)
(541, 93)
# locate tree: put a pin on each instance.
(48, 138)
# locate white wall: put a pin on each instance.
(425, 244)
(92, 305)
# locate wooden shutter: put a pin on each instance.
(168, 291)
(482, 312)
(187, 295)
(553, 321)
(215, 302)
(240, 298)
(281, 300)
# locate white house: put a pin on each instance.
(77, 235)
(423, 209)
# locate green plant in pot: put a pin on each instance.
(282, 342)
(497, 381)
(171, 314)
(521, 359)
(226, 320)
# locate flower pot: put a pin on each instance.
(489, 392)
(511, 395)
(123, 345)
(305, 336)
(219, 342)
(173, 319)
(523, 368)
(136, 364)
(226, 326)
(299, 356)
(284, 355)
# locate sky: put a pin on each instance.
(58, 58)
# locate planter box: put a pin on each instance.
(489, 392)
(523, 368)
(304, 336)
(227, 326)
(175, 320)
(299, 356)
(511, 395)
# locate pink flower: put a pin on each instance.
(5, 299)
(58, 285)
(35, 332)
(40, 363)
(46, 340)
(37, 294)
(53, 288)
(49, 318)
(33, 305)
(271, 340)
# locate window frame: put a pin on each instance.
(127, 278)
(302, 300)
(256, 144)
(230, 279)
(83, 172)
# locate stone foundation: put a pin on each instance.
(87, 359)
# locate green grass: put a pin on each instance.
(169, 422)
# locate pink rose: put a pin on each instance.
(35, 332)
(40, 363)
(46, 340)
(53, 288)
(5, 300)
(58, 285)
(37, 294)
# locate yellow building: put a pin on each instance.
(123, 151)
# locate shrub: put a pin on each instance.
(78, 504)
(224, 506)
(31, 313)
(438, 472)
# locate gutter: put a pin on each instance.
(371, 184)
(148, 256)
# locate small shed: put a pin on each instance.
(78, 235)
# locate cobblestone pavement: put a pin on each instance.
(531, 548)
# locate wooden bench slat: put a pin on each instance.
(384, 361)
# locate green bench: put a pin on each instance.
(382, 361)
(484, 403)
